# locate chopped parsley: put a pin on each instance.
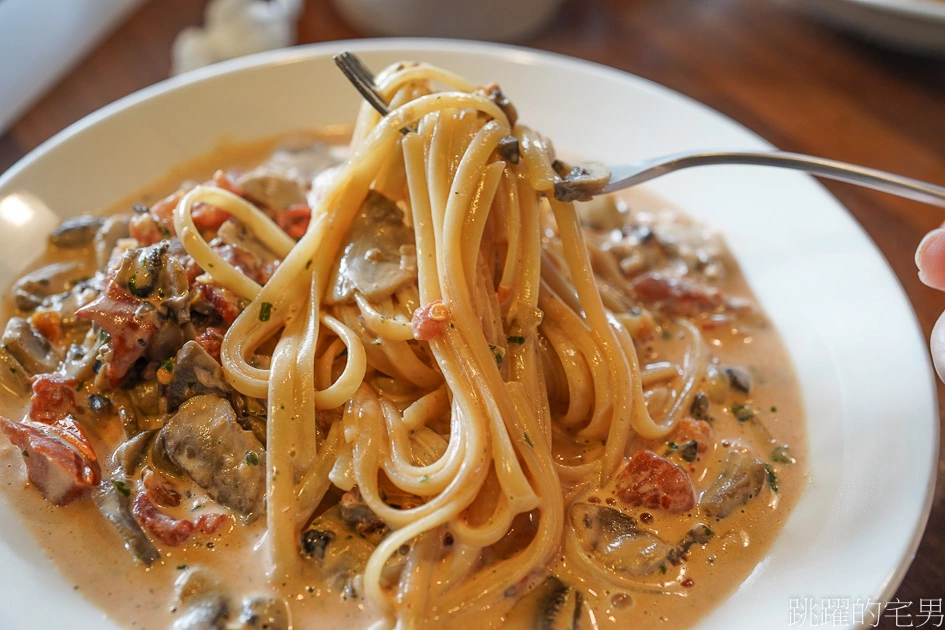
(167, 365)
(528, 440)
(12, 370)
(672, 446)
(663, 568)
(181, 567)
(519, 339)
(742, 413)
(424, 478)
(252, 458)
(26, 453)
(772, 478)
(265, 311)
(706, 530)
(121, 487)
(132, 285)
(774, 409)
(782, 455)
(497, 354)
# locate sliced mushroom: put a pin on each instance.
(377, 258)
(112, 498)
(203, 603)
(205, 440)
(302, 163)
(28, 347)
(335, 552)
(580, 182)
(107, 237)
(76, 231)
(195, 372)
(741, 479)
(552, 605)
(30, 290)
(132, 453)
(13, 375)
(271, 190)
(610, 538)
(265, 613)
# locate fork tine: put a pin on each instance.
(362, 79)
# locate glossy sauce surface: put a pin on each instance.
(90, 553)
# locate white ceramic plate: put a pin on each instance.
(862, 363)
(914, 25)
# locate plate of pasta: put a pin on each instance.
(275, 360)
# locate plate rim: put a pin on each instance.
(507, 53)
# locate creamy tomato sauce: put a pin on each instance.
(747, 403)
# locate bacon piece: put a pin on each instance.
(221, 299)
(429, 321)
(158, 491)
(210, 340)
(294, 220)
(171, 531)
(242, 260)
(53, 398)
(677, 296)
(131, 328)
(654, 482)
(59, 459)
(698, 430)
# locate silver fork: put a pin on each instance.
(583, 182)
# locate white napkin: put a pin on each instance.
(233, 28)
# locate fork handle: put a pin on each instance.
(632, 174)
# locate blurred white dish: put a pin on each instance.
(913, 25)
(860, 356)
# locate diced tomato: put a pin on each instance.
(208, 218)
(48, 324)
(169, 530)
(698, 430)
(430, 320)
(53, 398)
(59, 459)
(294, 220)
(654, 482)
(225, 181)
(116, 311)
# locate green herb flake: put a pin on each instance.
(496, 354)
(424, 478)
(265, 311)
(181, 567)
(515, 339)
(121, 487)
(772, 478)
(528, 440)
(102, 335)
(782, 455)
(672, 446)
(774, 409)
(12, 370)
(164, 231)
(742, 413)
(706, 530)
(132, 285)
(252, 458)
(167, 365)
(80, 386)
(196, 507)
(663, 568)
(26, 453)
(309, 263)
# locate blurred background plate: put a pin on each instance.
(913, 25)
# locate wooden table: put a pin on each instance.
(801, 85)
